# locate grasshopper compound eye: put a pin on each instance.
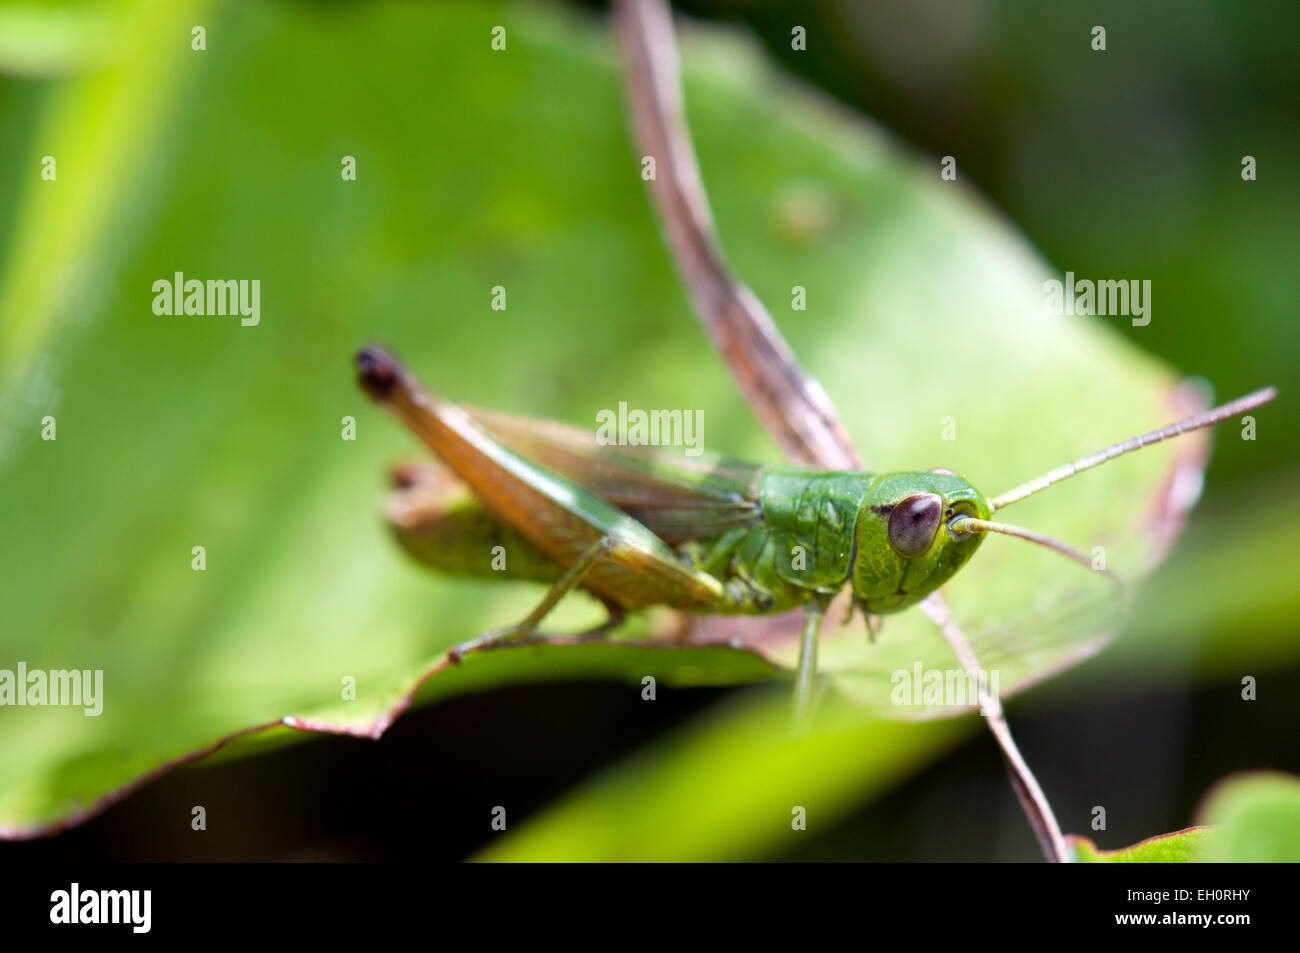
(913, 523)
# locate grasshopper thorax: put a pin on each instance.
(905, 549)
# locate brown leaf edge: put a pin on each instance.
(373, 729)
(1078, 840)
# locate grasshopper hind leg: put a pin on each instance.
(597, 545)
(440, 523)
(608, 550)
(571, 578)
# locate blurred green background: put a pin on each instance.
(1116, 164)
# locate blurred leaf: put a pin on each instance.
(1217, 602)
(1247, 818)
(48, 39)
(1180, 847)
(1254, 818)
(1216, 609)
(732, 786)
(474, 169)
(103, 131)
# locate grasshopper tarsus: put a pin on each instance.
(616, 615)
(492, 639)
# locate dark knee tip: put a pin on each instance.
(404, 476)
(377, 371)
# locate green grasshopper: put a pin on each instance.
(638, 527)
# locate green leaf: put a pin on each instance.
(1180, 847)
(1246, 818)
(475, 169)
(1255, 818)
(51, 40)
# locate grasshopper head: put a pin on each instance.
(905, 549)
(916, 529)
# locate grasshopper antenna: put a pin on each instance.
(1207, 419)
(965, 525)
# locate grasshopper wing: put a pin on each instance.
(674, 496)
